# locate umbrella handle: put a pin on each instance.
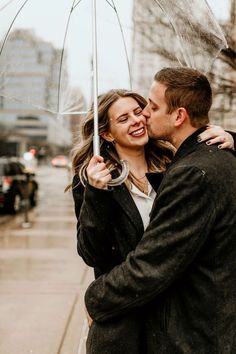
(122, 177)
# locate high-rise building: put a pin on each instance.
(29, 74)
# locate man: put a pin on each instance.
(183, 271)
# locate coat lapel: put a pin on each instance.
(125, 200)
(155, 179)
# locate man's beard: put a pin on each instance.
(157, 135)
(150, 132)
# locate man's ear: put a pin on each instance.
(107, 136)
(181, 116)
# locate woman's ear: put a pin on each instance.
(107, 136)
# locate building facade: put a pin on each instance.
(28, 75)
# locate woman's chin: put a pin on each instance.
(140, 141)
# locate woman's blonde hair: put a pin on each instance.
(158, 153)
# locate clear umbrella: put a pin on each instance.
(42, 50)
(39, 43)
(62, 38)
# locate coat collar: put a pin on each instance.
(188, 145)
(155, 179)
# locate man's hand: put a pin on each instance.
(216, 135)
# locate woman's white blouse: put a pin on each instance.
(143, 202)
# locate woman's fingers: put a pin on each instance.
(212, 131)
(225, 146)
(95, 165)
(217, 140)
(100, 179)
(95, 160)
(216, 135)
(94, 170)
(98, 173)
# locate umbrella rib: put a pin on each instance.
(62, 52)
(73, 113)
(74, 6)
(22, 101)
(110, 4)
(217, 25)
(123, 39)
(176, 31)
(10, 27)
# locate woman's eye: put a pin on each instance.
(122, 120)
(137, 113)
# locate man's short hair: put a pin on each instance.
(187, 88)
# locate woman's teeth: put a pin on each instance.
(138, 132)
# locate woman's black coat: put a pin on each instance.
(109, 227)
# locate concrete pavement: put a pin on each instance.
(42, 279)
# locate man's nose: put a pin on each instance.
(146, 112)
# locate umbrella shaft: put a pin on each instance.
(96, 145)
(96, 142)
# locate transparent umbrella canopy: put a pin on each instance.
(196, 35)
(54, 27)
(40, 39)
(63, 39)
(42, 50)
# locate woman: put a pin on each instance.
(111, 221)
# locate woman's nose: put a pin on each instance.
(137, 119)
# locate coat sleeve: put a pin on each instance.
(93, 210)
(182, 216)
(234, 137)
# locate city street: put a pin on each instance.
(42, 279)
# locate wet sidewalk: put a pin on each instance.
(42, 279)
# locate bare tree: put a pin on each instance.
(157, 38)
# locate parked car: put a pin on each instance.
(60, 161)
(16, 185)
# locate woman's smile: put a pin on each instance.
(140, 132)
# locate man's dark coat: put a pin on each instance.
(183, 271)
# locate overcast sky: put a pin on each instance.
(47, 18)
(220, 8)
